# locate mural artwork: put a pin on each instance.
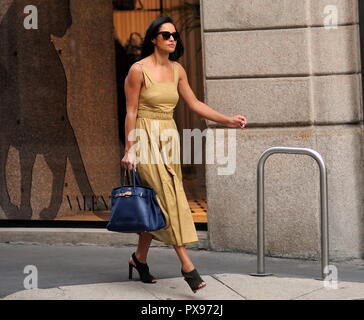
(33, 104)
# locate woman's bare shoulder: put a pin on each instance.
(181, 70)
(135, 73)
(142, 62)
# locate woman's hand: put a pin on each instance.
(237, 121)
(129, 160)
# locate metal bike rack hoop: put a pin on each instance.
(260, 206)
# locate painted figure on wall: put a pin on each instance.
(33, 102)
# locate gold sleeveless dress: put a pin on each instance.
(161, 144)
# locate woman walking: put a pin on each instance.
(152, 90)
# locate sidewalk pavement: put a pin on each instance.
(219, 287)
(91, 272)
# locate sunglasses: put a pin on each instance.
(166, 35)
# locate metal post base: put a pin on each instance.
(261, 274)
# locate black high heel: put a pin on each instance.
(193, 279)
(142, 269)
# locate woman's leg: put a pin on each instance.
(141, 254)
(143, 246)
(186, 262)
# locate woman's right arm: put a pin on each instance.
(132, 86)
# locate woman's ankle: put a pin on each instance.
(188, 267)
(141, 259)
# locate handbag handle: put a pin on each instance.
(135, 177)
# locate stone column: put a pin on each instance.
(60, 154)
(299, 84)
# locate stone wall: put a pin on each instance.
(299, 84)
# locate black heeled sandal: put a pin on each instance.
(142, 269)
(193, 279)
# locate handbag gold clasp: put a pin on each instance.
(124, 194)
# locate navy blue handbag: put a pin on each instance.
(134, 208)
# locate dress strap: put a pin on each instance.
(148, 80)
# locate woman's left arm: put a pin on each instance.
(184, 89)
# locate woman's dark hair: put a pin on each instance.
(153, 29)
